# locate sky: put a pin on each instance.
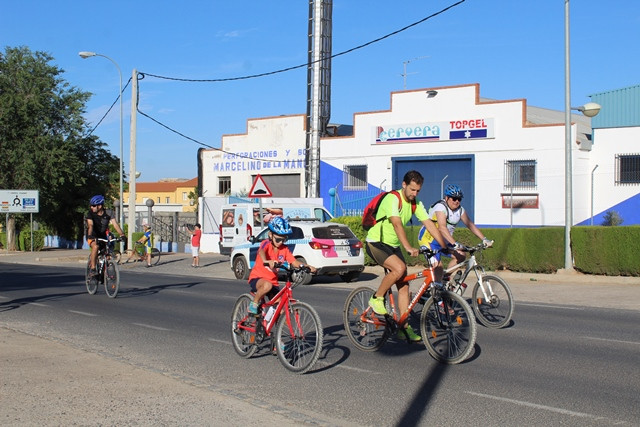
(512, 49)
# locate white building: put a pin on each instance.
(497, 151)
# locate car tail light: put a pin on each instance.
(318, 245)
(249, 232)
(357, 245)
(220, 230)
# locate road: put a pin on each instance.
(557, 363)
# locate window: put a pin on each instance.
(520, 174)
(224, 184)
(354, 177)
(167, 199)
(184, 196)
(158, 199)
(627, 169)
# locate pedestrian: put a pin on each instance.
(195, 245)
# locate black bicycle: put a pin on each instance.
(107, 271)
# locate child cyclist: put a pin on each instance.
(264, 279)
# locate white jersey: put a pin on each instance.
(453, 217)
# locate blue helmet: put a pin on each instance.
(97, 200)
(453, 190)
(280, 226)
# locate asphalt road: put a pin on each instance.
(558, 363)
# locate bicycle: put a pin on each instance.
(139, 249)
(298, 334)
(107, 271)
(491, 296)
(447, 323)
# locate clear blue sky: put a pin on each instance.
(513, 49)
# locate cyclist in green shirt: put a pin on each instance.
(385, 239)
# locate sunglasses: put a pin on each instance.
(94, 206)
(279, 239)
(456, 199)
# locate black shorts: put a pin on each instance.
(254, 282)
(379, 252)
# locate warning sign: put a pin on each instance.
(259, 188)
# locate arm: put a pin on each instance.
(90, 228)
(117, 227)
(298, 264)
(433, 230)
(471, 226)
(402, 236)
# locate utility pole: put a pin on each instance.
(131, 221)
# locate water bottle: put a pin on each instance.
(454, 283)
(269, 314)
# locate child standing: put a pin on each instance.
(195, 245)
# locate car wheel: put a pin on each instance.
(351, 276)
(240, 268)
(307, 279)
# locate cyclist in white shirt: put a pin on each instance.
(447, 214)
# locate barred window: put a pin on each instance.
(627, 169)
(224, 184)
(354, 177)
(520, 174)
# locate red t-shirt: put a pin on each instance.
(260, 271)
(195, 238)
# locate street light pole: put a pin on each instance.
(85, 55)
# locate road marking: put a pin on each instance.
(39, 304)
(83, 313)
(563, 307)
(610, 340)
(157, 328)
(543, 407)
(350, 368)
(220, 341)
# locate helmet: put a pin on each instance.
(280, 226)
(453, 190)
(97, 200)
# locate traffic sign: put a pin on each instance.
(19, 201)
(259, 188)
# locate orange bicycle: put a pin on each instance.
(298, 335)
(447, 323)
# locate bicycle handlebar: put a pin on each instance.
(289, 267)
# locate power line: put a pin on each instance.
(269, 73)
(109, 110)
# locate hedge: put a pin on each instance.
(612, 251)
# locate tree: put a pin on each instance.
(44, 143)
(193, 198)
(612, 218)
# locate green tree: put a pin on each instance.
(45, 146)
(612, 218)
(193, 197)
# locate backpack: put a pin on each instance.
(370, 212)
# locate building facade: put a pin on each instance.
(508, 157)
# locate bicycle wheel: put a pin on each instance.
(497, 310)
(155, 256)
(451, 334)
(368, 333)
(299, 342)
(243, 327)
(111, 278)
(91, 282)
(116, 256)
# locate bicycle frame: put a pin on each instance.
(471, 264)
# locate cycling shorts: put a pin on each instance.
(379, 252)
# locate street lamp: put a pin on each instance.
(590, 109)
(85, 55)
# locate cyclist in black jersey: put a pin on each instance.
(98, 222)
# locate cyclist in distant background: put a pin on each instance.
(98, 222)
(264, 279)
(447, 213)
(146, 241)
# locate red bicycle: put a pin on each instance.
(297, 339)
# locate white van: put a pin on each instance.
(239, 221)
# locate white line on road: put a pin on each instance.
(610, 340)
(350, 368)
(157, 328)
(563, 307)
(220, 341)
(543, 407)
(83, 313)
(39, 304)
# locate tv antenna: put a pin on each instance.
(404, 70)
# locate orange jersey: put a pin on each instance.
(261, 271)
